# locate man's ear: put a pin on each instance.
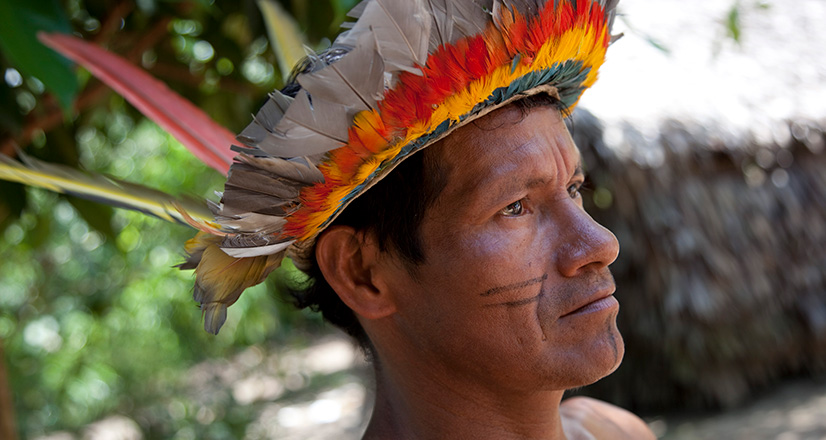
(348, 260)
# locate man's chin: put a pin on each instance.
(611, 356)
(604, 358)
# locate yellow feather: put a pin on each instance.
(62, 179)
(220, 279)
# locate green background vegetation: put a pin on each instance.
(94, 318)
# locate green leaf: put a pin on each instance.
(733, 22)
(22, 19)
(286, 39)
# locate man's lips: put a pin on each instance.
(599, 301)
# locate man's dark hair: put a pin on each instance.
(392, 211)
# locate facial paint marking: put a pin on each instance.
(514, 286)
(517, 303)
(613, 338)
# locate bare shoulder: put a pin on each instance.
(590, 419)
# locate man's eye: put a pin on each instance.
(573, 190)
(513, 210)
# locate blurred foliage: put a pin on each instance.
(733, 21)
(93, 316)
(22, 19)
(731, 25)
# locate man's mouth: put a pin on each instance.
(601, 301)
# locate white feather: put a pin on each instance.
(257, 251)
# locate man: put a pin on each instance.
(421, 173)
(510, 303)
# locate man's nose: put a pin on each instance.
(585, 244)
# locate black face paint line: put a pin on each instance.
(518, 303)
(613, 339)
(515, 286)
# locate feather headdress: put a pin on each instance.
(414, 70)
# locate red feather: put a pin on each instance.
(192, 127)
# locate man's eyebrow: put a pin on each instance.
(578, 171)
(507, 189)
(514, 286)
(536, 182)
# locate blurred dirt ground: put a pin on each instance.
(794, 411)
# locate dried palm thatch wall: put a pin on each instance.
(722, 271)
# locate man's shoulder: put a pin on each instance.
(587, 418)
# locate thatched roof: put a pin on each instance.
(722, 270)
(709, 164)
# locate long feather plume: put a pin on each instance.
(62, 179)
(209, 141)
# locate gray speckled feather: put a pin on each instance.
(402, 29)
(470, 17)
(356, 82)
(300, 171)
(265, 119)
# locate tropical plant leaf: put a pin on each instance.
(205, 138)
(286, 39)
(22, 19)
(733, 22)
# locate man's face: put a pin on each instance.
(514, 288)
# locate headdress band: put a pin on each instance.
(417, 70)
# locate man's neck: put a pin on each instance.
(418, 405)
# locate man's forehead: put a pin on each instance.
(496, 142)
